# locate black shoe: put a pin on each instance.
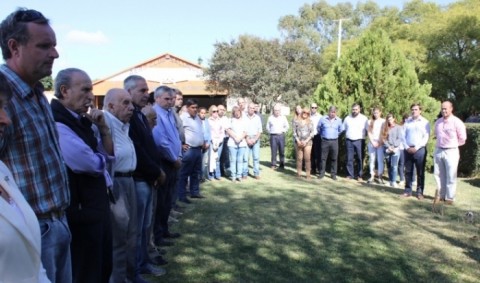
(169, 235)
(185, 200)
(197, 196)
(164, 243)
(282, 166)
(158, 260)
(334, 178)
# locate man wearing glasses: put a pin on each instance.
(30, 148)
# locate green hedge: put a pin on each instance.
(469, 165)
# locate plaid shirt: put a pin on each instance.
(30, 147)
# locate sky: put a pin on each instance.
(104, 37)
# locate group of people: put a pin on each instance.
(85, 194)
(403, 147)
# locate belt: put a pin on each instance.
(56, 214)
(123, 174)
(276, 134)
(195, 147)
(447, 148)
(329, 139)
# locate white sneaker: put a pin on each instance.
(370, 180)
(393, 185)
(401, 183)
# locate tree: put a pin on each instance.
(373, 74)
(266, 71)
(47, 83)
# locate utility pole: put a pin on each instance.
(339, 44)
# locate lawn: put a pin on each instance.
(285, 229)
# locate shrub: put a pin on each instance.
(469, 165)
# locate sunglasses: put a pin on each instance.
(314, 107)
(214, 111)
(28, 16)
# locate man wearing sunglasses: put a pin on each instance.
(30, 148)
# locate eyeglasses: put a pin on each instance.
(28, 16)
(214, 111)
(314, 107)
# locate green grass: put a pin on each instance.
(284, 229)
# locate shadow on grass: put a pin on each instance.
(293, 233)
(474, 182)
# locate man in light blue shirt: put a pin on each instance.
(254, 130)
(329, 128)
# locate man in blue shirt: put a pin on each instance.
(329, 128)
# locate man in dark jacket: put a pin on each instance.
(86, 151)
(147, 174)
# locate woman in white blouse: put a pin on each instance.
(375, 144)
(237, 144)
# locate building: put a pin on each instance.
(168, 70)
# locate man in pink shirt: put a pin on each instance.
(451, 133)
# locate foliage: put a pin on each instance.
(47, 83)
(266, 71)
(374, 74)
(469, 165)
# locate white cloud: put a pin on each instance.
(78, 36)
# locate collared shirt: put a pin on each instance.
(166, 135)
(254, 124)
(31, 150)
(79, 157)
(330, 128)
(238, 127)
(315, 118)
(207, 136)
(355, 127)
(277, 125)
(226, 124)
(193, 129)
(217, 130)
(450, 133)
(125, 157)
(416, 132)
(178, 124)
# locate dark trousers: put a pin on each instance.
(224, 158)
(415, 160)
(401, 166)
(164, 201)
(277, 143)
(354, 147)
(316, 154)
(91, 246)
(329, 148)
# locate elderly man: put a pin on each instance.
(167, 140)
(417, 132)
(146, 174)
(118, 110)
(329, 128)
(86, 149)
(355, 126)
(451, 133)
(192, 153)
(254, 130)
(277, 126)
(30, 146)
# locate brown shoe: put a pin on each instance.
(359, 179)
(257, 177)
(420, 197)
(449, 202)
(244, 177)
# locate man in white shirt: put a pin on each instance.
(355, 126)
(277, 126)
(254, 130)
(316, 153)
(118, 110)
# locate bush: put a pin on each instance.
(469, 165)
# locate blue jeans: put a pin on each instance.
(255, 152)
(56, 257)
(218, 172)
(236, 161)
(191, 167)
(143, 192)
(392, 161)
